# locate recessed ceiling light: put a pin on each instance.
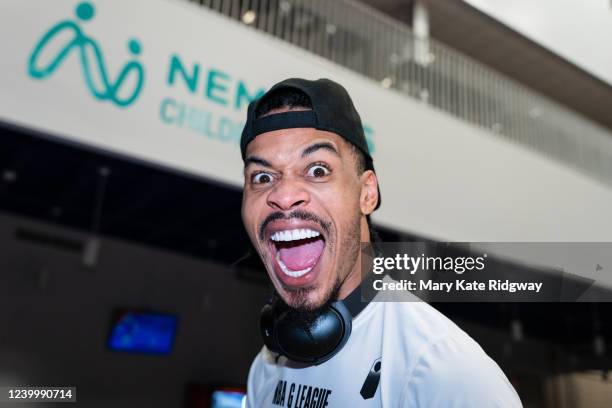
(9, 176)
(285, 6)
(249, 17)
(387, 82)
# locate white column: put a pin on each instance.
(420, 28)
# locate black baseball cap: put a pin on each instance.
(332, 111)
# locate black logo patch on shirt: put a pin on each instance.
(300, 396)
(368, 389)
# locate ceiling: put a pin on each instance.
(58, 183)
(468, 30)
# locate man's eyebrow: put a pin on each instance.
(318, 146)
(256, 160)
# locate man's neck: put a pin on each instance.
(351, 283)
(353, 280)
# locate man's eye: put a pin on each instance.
(261, 178)
(318, 171)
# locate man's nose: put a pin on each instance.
(288, 195)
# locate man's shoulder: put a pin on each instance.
(453, 369)
(442, 356)
(419, 323)
(415, 321)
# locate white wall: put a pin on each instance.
(579, 31)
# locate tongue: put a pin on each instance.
(302, 256)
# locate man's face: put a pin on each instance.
(303, 210)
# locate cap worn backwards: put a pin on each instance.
(332, 111)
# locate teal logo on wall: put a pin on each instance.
(93, 65)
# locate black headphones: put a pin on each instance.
(317, 342)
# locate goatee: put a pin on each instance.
(302, 313)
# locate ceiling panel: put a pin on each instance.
(479, 36)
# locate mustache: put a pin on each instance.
(296, 214)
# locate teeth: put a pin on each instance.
(289, 272)
(294, 235)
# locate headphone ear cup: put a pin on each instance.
(266, 326)
(318, 342)
(312, 344)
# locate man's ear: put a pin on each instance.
(369, 192)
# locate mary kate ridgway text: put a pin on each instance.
(458, 285)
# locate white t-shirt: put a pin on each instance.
(413, 355)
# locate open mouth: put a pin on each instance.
(297, 251)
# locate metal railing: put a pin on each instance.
(371, 43)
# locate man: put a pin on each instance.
(309, 189)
